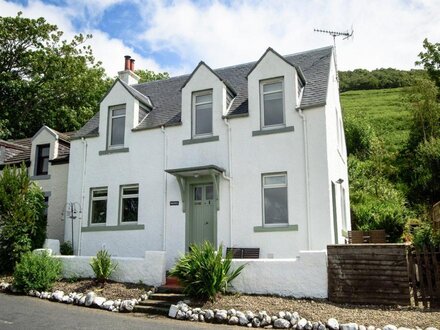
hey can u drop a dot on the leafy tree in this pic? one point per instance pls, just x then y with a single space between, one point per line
147 75
22 220
430 59
45 79
359 136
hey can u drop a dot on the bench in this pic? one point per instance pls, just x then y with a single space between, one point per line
244 253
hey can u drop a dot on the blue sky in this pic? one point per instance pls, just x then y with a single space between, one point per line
174 36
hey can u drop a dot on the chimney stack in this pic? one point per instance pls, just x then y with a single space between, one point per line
128 76
127 62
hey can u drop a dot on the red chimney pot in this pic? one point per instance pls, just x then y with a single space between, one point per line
132 65
127 62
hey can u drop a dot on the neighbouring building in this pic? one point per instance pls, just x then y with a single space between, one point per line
46 156
251 155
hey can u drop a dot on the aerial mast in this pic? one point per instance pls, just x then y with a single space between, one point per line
335 34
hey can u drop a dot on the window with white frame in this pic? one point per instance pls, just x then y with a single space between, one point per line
202 113
272 102
116 126
129 204
98 206
274 191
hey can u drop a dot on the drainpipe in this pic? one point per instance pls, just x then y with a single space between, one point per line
165 190
307 179
83 195
229 178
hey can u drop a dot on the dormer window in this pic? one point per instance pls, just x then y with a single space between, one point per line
202 113
116 126
42 161
272 102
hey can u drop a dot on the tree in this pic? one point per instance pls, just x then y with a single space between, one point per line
430 59
44 79
22 220
147 75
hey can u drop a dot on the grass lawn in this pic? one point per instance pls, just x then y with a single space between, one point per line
385 109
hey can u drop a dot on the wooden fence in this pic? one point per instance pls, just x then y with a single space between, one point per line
368 274
424 271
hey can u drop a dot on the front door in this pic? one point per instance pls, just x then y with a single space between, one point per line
202 215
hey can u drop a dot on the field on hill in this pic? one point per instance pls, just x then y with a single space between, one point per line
385 110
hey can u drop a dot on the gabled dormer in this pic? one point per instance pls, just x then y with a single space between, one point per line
44 147
121 110
274 91
206 98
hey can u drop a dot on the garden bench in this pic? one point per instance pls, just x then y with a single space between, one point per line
244 253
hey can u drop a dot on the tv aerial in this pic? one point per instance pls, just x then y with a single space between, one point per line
346 35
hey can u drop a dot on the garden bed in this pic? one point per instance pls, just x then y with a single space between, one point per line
315 310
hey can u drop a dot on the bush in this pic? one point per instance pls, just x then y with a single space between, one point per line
102 266
66 248
36 272
22 221
425 235
359 136
203 271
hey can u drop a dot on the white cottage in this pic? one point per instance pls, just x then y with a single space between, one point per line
251 156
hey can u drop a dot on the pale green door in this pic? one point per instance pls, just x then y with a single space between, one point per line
202 215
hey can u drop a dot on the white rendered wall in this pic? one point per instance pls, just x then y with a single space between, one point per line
55 186
305 276
150 269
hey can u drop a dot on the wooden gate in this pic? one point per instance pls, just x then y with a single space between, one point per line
424 271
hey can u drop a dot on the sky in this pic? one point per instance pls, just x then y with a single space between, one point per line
173 36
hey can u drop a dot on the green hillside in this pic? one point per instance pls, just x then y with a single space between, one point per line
386 111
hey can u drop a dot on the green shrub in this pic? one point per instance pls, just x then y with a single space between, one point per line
359 136
22 221
203 272
66 248
36 272
425 235
102 266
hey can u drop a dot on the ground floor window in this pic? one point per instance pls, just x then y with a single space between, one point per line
274 191
129 203
98 205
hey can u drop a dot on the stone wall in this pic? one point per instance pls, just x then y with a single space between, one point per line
305 276
150 269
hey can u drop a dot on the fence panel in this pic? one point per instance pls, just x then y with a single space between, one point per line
368 274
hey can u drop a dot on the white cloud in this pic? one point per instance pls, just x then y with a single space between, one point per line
387 33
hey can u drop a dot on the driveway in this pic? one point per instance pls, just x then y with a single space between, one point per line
22 312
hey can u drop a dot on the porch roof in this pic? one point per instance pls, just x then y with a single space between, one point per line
196 171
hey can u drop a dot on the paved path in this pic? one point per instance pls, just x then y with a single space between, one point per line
22 312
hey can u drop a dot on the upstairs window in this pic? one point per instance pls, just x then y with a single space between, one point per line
272 102
98 206
129 204
275 199
116 126
42 161
202 113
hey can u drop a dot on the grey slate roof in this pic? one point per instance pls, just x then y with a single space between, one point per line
165 95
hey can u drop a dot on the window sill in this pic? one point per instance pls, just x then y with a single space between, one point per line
200 140
112 151
273 130
112 228
41 177
261 229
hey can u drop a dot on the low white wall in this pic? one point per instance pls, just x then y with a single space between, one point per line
305 276
150 269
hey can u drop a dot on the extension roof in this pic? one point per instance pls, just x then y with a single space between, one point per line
313 66
18 151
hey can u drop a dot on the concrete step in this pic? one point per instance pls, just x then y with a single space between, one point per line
156 303
170 297
170 289
155 310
